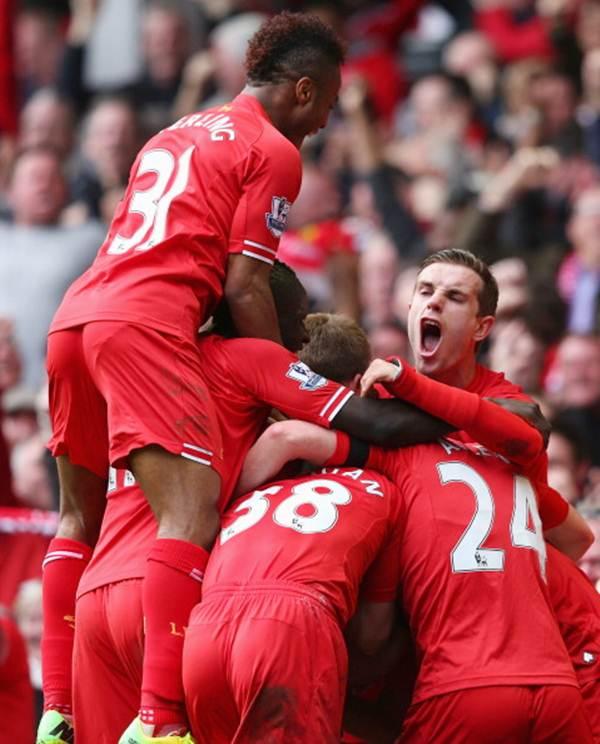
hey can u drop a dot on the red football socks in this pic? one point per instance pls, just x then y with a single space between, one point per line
63 565
173 585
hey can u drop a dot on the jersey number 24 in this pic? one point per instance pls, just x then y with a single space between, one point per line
468 553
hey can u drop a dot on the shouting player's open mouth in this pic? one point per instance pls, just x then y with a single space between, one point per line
431 336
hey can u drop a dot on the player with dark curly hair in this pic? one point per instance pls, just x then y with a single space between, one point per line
293 69
205 206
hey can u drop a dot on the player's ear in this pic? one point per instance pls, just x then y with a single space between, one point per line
305 90
484 326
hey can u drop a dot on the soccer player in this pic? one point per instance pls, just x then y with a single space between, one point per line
205 207
264 655
577 607
246 378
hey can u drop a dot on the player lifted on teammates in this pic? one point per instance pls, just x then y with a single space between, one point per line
204 210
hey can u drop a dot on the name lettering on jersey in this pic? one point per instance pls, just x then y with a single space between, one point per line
220 126
303 374
119 479
277 218
371 486
451 446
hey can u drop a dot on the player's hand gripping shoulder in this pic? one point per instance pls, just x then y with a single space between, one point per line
528 411
380 371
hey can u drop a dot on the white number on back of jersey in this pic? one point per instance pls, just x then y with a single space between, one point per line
325 513
321 495
153 203
526 509
468 553
257 506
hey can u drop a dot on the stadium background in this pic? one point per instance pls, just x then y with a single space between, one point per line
469 124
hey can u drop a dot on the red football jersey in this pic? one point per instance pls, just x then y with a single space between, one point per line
247 377
577 607
473 562
214 182
488 384
323 531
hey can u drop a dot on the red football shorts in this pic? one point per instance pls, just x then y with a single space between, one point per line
107 661
552 714
264 664
590 691
115 387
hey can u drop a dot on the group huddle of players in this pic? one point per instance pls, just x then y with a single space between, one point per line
220 595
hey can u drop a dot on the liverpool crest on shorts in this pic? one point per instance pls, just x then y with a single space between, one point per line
277 217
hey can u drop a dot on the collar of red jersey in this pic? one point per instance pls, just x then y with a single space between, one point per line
244 100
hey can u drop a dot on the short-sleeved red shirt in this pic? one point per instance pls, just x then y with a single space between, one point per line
472 563
247 378
324 531
216 182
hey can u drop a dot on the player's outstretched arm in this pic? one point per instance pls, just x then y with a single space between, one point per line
500 430
572 537
389 423
282 442
250 299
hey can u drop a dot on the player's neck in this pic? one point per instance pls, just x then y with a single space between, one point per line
460 376
275 100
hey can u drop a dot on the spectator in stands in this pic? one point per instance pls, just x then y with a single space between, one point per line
47 121
220 67
20 415
515 351
39 257
109 145
10 371
577 388
389 339
165 48
588 113
568 459
579 274
471 55
319 248
38 47
28 615
30 476
590 563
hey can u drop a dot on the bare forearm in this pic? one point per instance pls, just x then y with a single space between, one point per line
280 443
389 423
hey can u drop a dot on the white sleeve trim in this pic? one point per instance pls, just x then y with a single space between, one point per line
250 254
340 405
334 398
261 246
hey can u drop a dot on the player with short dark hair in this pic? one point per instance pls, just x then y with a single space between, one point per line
201 218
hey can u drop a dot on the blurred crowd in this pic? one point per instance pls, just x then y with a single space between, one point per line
466 124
